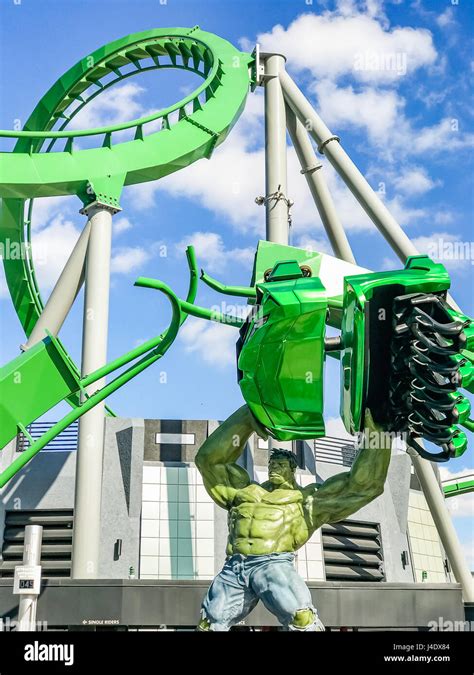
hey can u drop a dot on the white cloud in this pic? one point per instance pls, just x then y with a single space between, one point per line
461 506
227 184
212 253
447 474
404 214
312 244
446 18
389 264
45 208
51 247
449 249
335 44
121 224
380 113
128 259
119 105
53 243
214 343
443 217
376 111
441 137
414 181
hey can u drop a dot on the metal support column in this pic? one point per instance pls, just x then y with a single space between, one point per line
312 170
64 292
31 558
275 152
328 144
444 524
87 509
276 176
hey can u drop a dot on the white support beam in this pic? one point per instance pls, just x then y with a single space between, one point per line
275 152
276 173
88 494
312 170
329 145
444 524
64 292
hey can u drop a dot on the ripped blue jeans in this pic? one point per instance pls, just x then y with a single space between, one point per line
244 580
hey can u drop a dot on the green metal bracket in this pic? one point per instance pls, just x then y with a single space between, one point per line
104 191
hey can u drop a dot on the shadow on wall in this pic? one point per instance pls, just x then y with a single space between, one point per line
34 483
37 486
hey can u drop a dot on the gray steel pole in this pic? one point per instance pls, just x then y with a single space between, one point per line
312 170
276 175
31 556
275 152
444 524
329 145
64 292
87 509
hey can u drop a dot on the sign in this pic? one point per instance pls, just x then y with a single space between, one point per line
27 580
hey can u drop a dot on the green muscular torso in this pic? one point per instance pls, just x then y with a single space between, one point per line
263 520
279 515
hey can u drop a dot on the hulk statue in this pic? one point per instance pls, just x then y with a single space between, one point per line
268 523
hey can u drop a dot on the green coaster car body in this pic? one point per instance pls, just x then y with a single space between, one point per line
281 355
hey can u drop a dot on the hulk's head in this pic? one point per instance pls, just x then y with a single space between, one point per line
281 467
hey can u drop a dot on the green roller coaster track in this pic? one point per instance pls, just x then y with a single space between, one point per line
459 486
38 166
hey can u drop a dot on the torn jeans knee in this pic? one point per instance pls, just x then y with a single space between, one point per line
306 620
208 626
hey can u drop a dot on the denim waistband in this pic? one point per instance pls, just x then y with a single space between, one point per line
261 557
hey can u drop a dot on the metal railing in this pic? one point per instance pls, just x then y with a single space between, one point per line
458 485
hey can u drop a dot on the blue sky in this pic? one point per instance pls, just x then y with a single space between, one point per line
408 127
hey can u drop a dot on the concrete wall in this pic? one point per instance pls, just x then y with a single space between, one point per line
173 452
47 482
154 502
121 497
390 511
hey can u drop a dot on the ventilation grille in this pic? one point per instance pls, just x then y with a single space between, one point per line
56 549
66 441
335 450
352 551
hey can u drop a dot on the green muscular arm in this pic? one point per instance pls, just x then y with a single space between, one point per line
342 495
217 456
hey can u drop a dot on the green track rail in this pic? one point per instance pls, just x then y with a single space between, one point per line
46 161
461 486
